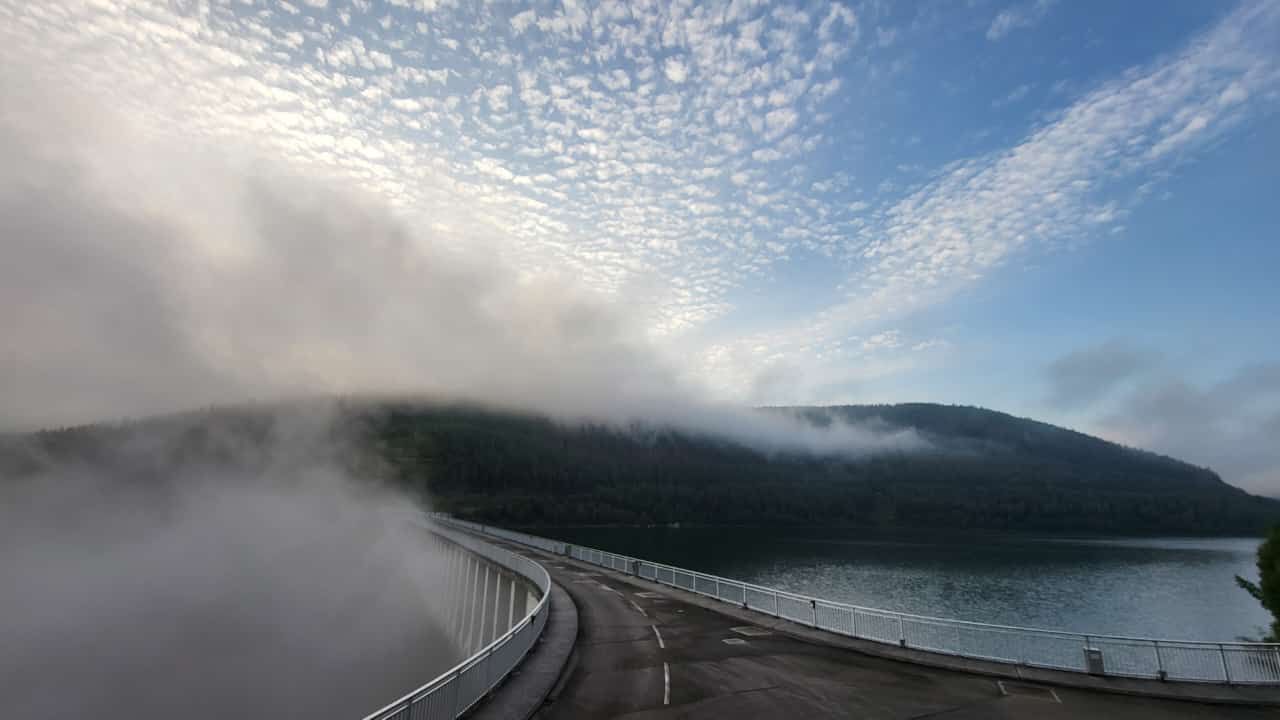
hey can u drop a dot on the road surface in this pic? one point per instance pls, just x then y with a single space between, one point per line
643 652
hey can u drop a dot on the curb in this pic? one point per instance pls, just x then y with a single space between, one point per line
538 678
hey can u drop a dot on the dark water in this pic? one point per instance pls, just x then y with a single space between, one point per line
1153 587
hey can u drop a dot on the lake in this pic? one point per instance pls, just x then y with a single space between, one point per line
1177 588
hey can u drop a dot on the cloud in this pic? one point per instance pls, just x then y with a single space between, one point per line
1080 378
599 168
523 20
839 19
140 275
1229 425
675 70
497 97
1051 190
1018 17
1131 395
394 109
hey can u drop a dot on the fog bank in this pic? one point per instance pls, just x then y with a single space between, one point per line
250 578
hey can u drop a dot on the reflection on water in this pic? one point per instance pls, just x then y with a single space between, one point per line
1158 587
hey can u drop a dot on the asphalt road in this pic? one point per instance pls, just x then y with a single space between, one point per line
642 652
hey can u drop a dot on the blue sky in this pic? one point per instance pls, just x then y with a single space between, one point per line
1058 209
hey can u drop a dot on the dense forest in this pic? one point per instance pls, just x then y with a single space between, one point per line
983 469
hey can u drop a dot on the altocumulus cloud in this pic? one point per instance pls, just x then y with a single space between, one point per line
141 274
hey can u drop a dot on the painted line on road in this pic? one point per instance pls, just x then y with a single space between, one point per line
638 608
666 682
661 645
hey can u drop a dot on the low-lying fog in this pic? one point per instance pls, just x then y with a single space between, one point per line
278 587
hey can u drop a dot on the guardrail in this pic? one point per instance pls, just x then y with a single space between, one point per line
1232 663
456 690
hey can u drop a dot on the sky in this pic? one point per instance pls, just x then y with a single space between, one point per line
1062 210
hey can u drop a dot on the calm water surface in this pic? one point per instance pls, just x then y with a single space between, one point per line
1157 587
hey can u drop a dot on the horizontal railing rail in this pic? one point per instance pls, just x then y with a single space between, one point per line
1234 663
455 691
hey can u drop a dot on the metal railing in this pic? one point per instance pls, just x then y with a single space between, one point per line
456 690
1233 663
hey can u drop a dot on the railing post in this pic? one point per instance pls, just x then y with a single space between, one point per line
484 607
1159 661
511 606
813 609
1094 661
456 682
902 632
717 588
497 595
777 610
1226 670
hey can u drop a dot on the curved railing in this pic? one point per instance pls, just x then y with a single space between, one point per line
1109 655
455 691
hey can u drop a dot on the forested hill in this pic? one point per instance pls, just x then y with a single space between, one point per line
984 470
960 430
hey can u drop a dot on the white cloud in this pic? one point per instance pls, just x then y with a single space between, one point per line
497 97
616 80
886 340
1045 190
521 21
675 70
839 19
677 168
778 122
1017 17
766 155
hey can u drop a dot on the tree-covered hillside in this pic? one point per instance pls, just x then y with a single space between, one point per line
987 470
983 470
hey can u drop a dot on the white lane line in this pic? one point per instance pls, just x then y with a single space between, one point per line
638 608
661 645
666 683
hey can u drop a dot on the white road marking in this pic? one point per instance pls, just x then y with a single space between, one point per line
638 608
661 645
666 682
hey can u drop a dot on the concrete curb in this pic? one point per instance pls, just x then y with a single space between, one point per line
539 675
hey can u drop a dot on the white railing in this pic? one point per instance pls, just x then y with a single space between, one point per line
455 691
1232 663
